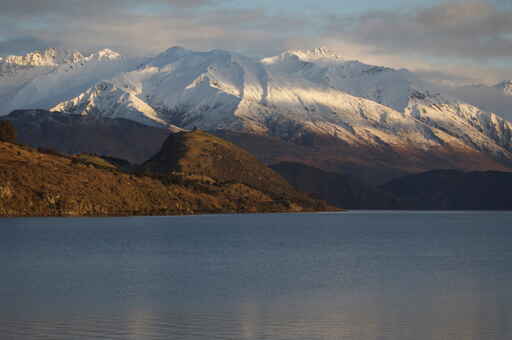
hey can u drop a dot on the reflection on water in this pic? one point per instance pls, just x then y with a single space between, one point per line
355 276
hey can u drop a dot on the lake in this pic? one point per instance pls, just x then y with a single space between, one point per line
351 276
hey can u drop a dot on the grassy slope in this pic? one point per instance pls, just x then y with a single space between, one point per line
201 153
39 184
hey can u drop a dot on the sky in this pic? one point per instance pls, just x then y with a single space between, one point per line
446 41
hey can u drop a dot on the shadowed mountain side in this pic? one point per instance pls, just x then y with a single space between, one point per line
273 150
40 184
72 134
373 165
453 190
336 189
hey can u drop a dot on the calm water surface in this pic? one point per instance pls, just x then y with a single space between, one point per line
360 275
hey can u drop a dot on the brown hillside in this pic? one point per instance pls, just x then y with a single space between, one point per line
201 153
40 184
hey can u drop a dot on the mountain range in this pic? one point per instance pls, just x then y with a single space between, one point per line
341 115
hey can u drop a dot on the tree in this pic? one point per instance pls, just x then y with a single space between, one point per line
7 131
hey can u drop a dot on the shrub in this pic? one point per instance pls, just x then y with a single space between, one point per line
7 132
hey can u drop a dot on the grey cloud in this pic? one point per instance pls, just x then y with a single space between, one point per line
42 7
135 27
478 30
252 31
23 45
437 77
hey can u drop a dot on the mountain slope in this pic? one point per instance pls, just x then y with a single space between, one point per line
322 66
356 114
73 134
105 100
476 129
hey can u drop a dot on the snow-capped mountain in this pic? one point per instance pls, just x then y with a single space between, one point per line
52 57
49 57
218 89
108 101
293 96
380 84
43 79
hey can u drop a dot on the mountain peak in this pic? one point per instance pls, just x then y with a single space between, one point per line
175 51
106 54
46 57
170 55
315 53
54 57
321 55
